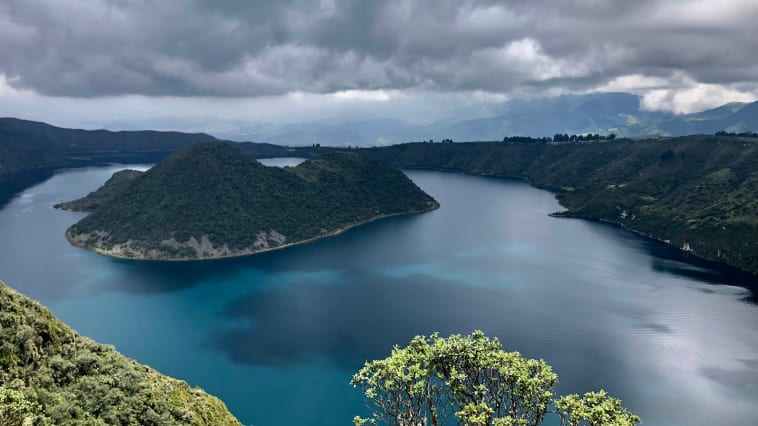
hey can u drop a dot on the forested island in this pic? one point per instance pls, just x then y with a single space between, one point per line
698 193
51 375
211 200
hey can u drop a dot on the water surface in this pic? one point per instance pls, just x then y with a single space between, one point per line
278 335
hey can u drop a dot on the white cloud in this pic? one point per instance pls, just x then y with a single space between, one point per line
365 95
633 83
6 87
693 97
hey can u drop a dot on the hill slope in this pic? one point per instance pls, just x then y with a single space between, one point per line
698 193
211 200
72 380
26 145
29 144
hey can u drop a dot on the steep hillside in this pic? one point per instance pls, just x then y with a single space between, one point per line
210 200
67 379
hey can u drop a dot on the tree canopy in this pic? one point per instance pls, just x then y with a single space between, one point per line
471 380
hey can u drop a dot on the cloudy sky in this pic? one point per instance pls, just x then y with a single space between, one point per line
126 63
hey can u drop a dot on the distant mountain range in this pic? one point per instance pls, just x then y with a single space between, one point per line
604 113
28 144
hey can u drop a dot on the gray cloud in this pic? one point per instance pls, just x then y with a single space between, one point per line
241 48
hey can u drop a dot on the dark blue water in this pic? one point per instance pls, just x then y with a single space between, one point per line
277 336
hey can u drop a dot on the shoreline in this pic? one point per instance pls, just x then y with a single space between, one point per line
568 214
334 233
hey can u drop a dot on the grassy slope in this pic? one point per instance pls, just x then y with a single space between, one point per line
73 380
212 189
699 192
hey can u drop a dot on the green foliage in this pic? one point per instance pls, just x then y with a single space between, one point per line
53 376
697 192
594 409
215 191
15 410
435 380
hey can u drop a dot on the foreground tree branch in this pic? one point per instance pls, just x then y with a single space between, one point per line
470 380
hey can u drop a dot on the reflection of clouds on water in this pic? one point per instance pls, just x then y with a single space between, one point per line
685 341
27 197
363 314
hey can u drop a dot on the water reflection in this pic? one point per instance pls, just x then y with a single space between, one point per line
669 334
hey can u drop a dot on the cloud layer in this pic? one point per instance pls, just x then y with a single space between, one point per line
96 48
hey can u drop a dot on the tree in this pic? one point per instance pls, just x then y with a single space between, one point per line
594 409
471 380
15 410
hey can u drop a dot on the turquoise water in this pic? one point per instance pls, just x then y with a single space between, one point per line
277 336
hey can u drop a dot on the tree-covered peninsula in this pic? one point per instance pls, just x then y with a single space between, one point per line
698 193
211 200
50 375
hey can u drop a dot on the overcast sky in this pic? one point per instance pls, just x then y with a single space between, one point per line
120 63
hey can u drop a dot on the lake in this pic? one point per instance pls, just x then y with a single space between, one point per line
277 336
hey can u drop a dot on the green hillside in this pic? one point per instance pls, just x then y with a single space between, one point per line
56 377
211 200
698 193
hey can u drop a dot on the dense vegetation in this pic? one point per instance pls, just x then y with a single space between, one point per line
49 375
699 193
112 187
471 380
737 134
211 200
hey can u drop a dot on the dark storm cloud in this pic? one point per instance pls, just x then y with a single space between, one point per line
242 48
